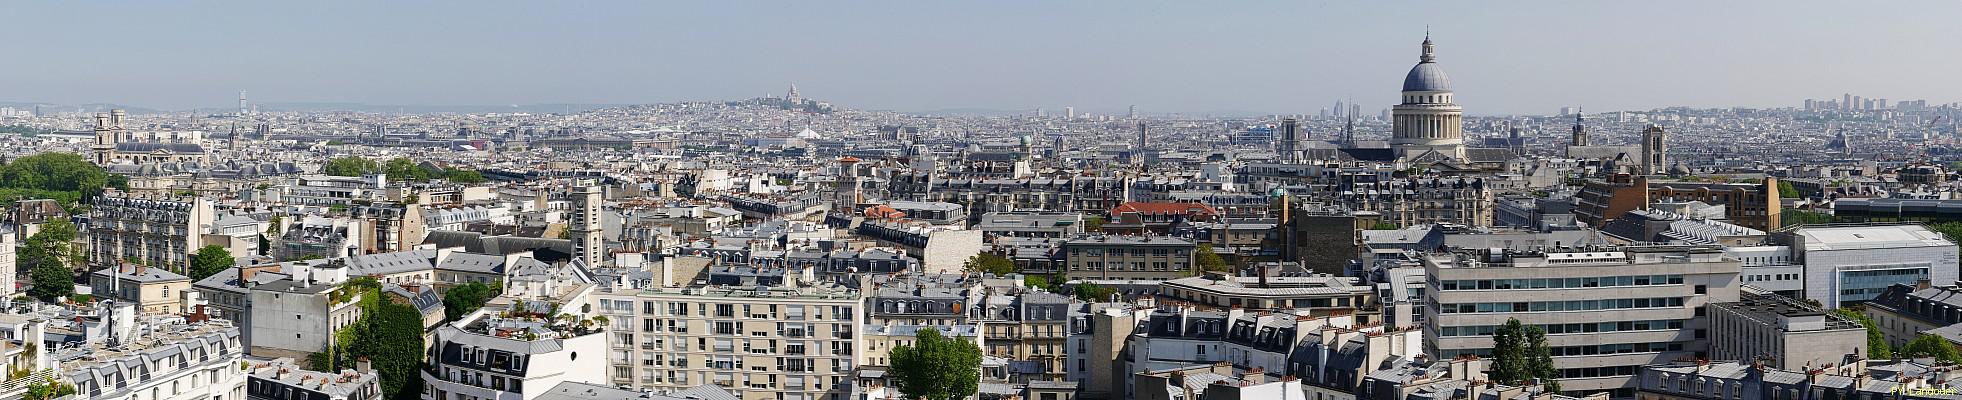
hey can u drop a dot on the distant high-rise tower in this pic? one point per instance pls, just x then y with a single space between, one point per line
1654 155
1069 112
1133 113
242 108
1580 131
1290 140
585 230
1427 121
793 97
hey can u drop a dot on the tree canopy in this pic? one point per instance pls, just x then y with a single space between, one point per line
1093 224
62 176
1520 354
989 263
936 367
388 335
1210 261
210 260
461 300
1877 347
1932 346
47 256
351 166
1092 292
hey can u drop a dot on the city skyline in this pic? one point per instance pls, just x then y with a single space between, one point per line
1163 58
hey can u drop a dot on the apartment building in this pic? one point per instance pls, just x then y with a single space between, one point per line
169 358
152 290
1318 294
772 334
1414 201
489 355
159 232
1128 257
1904 312
1752 205
282 378
1607 312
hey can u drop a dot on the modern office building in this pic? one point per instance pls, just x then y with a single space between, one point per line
1846 265
1607 312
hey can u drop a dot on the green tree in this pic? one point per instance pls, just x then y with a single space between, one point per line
47 256
1801 217
1210 261
48 390
210 260
1932 346
406 170
350 166
1539 359
1509 353
1093 224
388 335
1520 354
1877 347
464 176
463 299
1092 292
989 263
1786 191
59 172
936 367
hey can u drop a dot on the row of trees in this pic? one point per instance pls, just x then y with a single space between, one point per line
398 169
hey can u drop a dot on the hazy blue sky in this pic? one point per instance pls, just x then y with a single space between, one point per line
1285 56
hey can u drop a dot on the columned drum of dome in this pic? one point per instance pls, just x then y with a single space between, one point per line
1427 120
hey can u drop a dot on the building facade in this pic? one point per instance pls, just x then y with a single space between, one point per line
155 232
1606 312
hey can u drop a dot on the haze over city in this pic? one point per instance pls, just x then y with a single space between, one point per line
1165 57
1016 200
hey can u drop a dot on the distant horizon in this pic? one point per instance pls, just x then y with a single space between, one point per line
1516 58
326 106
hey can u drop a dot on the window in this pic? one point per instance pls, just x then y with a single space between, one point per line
1202 349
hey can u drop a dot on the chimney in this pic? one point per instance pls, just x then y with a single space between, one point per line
362 365
1255 376
1923 283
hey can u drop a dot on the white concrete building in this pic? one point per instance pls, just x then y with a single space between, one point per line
1606 312
1847 265
487 356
